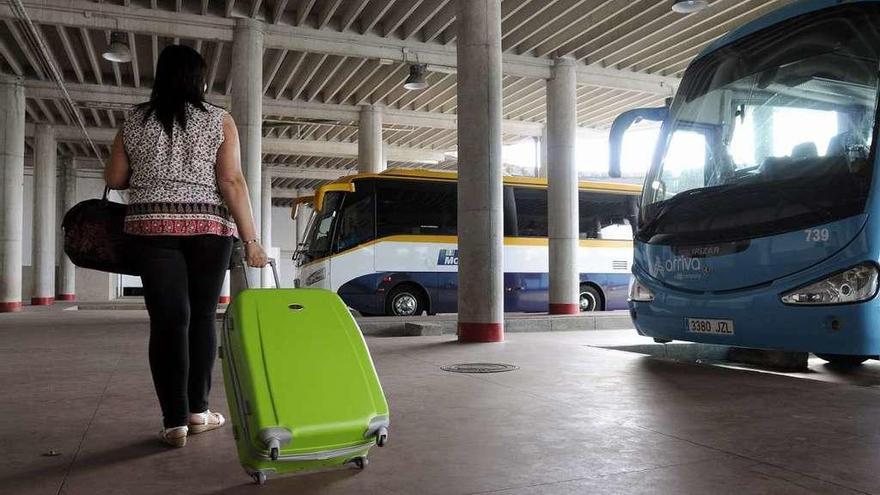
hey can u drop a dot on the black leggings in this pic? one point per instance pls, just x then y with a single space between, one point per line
182 278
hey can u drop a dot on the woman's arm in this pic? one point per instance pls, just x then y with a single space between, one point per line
117 171
234 190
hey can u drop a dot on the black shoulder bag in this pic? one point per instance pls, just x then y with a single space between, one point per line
94 237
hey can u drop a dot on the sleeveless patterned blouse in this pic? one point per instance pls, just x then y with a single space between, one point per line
173 186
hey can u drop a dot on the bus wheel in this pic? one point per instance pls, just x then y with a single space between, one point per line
844 359
590 299
405 300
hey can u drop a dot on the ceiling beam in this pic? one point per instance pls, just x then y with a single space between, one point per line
312 173
293 193
107 16
275 146
347 150
109 96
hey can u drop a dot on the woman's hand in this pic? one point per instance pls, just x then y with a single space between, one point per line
255 255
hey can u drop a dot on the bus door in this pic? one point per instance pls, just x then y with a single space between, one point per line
353 260
315 270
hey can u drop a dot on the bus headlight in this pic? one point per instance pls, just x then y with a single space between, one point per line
857 284
638 292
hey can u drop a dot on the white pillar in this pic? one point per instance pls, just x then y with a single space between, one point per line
266 223
43 261
67 270
224 292
371 153
247 110
11 191
541 144
562 190
480 212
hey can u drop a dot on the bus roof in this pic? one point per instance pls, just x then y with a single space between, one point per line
782 14
347 183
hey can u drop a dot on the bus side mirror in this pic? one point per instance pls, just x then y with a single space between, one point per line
621 124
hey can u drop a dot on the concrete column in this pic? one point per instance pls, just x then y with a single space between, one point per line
43 264
541 151
67 270
562 190
480 212
266 223
224 292
371 153
11 191
247 110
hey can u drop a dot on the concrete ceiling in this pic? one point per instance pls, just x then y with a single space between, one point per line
324 58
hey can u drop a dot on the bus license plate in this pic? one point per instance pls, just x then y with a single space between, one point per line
702 325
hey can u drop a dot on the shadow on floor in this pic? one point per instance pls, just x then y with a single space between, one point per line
121 454
310 482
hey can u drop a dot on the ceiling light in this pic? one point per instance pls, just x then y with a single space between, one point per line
416 80
118 51
689 6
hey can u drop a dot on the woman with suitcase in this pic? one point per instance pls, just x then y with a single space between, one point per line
179 157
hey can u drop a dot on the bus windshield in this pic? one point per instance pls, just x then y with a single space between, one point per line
769 134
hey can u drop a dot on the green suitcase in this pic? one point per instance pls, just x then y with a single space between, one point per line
302 390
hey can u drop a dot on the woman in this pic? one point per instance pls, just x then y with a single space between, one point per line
179 158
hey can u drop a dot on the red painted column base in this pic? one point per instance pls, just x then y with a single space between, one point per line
225 299
10 307
480 332
564 309
66 297
42 301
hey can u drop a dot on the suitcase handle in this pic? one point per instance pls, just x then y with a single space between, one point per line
243 265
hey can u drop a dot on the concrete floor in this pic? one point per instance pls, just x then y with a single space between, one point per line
574 419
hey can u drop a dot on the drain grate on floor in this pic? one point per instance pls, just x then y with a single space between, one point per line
479 368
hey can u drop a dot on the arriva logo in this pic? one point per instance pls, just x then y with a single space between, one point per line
677 266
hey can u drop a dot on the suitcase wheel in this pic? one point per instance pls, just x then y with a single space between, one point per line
259 477
382 437
360 462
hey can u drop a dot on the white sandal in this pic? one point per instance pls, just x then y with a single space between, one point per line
206 421
175 437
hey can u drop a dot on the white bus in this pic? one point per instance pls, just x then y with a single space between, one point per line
386 243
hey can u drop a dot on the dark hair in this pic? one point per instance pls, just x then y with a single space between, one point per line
180 79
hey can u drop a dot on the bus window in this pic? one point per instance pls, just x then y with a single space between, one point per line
416 208
688 153
322 227
531 212
763 131
605 216
356 219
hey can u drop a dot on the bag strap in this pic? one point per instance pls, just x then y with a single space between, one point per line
106 193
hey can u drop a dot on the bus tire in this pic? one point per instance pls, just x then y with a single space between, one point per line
844 359
405 300
591 299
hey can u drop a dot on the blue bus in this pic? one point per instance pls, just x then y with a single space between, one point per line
758 221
